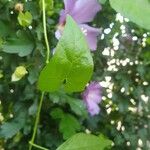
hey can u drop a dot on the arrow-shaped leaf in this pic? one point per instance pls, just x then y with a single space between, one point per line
72 64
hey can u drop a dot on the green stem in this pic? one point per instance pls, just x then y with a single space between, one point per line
45 32
42 95
37 146
36 121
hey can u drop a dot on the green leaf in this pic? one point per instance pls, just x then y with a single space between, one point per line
77 106
25 19
83 141
21 44
9 129
33 76
137 11
68 126
5 29
106 142
102 1
71 65
57 113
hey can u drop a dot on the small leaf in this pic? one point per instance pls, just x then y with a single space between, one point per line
21 44
137 11
25 19
68 123
83 141
33 76
57 113
77 106
9 129
71 65
68 126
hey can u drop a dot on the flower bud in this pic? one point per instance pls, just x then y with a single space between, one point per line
19 7
19 73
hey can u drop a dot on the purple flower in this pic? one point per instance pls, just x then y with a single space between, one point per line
92 98
82 11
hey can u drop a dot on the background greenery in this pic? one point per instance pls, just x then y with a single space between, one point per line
122 63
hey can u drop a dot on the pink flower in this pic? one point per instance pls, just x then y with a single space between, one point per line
92 98
82 11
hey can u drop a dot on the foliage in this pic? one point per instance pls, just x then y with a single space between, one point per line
71 58
121 63
136 10
19 43
68 124
25 19
82 141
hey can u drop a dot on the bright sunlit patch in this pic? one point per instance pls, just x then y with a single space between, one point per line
119 125
107 31
119 18
140 143
144 98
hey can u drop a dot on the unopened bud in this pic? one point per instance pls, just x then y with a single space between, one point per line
19 7
19 73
